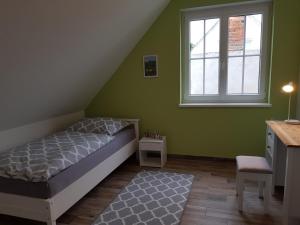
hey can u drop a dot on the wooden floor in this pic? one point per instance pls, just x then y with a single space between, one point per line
212 200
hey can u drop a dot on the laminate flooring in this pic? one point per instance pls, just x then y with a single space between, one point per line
212 200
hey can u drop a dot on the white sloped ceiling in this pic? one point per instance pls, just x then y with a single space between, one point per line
55 55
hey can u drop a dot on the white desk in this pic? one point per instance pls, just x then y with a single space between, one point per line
283 154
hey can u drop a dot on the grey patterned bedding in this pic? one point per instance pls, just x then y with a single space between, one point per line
41 159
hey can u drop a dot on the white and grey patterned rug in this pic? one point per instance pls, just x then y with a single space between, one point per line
151 198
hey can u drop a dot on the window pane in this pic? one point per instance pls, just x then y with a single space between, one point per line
253 34
196 79
212 37
236 34
251 75
230 70
235 75
211 76
196 38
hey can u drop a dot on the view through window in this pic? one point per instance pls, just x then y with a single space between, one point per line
226 59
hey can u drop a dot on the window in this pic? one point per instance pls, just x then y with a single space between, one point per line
225 54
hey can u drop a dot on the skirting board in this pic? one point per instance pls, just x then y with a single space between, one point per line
20 135
209 158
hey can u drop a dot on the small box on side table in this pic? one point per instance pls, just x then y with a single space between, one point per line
153 152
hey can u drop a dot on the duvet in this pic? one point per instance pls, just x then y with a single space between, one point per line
39 160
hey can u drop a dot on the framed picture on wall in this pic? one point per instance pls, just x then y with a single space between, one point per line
150 66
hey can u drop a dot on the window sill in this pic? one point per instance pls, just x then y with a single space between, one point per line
226 105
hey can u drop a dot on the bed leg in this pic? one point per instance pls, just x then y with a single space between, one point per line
51 222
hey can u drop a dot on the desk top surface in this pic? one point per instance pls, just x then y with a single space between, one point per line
289 134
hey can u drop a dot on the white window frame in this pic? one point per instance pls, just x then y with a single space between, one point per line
224 12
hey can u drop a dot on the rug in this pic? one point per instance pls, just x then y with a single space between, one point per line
151 198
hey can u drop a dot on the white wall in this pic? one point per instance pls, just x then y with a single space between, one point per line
55 55
20 135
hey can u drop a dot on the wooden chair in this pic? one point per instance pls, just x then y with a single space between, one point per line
257 169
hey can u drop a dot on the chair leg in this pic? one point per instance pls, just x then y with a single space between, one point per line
267 193
261 189
240 189
272 190
237 183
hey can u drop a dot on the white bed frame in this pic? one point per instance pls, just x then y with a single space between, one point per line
48 210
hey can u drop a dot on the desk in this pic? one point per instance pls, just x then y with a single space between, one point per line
283 154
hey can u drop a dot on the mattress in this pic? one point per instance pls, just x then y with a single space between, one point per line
43 158
55 184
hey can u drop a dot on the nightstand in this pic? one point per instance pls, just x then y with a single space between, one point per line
153 152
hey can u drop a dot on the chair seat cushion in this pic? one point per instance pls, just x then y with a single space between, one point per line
253 164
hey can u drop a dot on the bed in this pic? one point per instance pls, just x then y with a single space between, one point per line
47 199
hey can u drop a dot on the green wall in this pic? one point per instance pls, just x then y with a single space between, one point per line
221 132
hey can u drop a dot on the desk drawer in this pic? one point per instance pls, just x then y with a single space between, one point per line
270 134
151 146
270 141
269 159
270 150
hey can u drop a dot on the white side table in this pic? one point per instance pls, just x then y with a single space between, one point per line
153 152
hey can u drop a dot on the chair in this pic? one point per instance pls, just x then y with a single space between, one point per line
257 169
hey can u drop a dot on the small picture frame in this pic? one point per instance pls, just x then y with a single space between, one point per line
150 66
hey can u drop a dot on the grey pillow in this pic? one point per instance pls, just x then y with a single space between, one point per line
113 126
89 125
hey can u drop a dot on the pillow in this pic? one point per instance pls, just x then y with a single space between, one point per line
113 126
89 125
